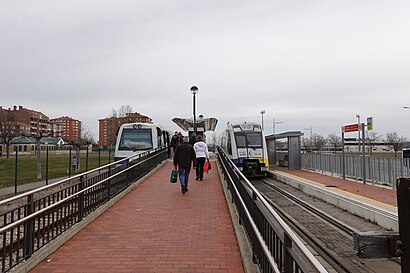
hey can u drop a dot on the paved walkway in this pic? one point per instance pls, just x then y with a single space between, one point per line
155 228
375 192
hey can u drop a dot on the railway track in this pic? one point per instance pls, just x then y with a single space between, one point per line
328 232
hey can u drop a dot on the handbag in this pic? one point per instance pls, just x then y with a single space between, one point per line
174 176
207 167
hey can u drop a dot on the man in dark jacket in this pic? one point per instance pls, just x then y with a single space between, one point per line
174 141
184 155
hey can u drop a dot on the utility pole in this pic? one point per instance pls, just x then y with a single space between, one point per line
274 124
358 123
262 113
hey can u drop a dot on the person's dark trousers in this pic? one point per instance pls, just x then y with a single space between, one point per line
183 176
200 161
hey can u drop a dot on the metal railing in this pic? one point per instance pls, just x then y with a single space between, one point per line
31 220
275 246
379 170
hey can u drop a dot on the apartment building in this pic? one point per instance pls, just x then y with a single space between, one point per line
30 122
70 129
108 127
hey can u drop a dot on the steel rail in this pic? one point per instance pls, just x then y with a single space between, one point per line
342 226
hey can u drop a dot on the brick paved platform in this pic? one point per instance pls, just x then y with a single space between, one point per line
155 228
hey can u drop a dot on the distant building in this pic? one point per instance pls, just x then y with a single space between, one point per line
108 127
70 129
31 123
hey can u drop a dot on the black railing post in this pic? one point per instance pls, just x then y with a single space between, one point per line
29 228
69 164
109 189
287 244
254 254
403 206
46 165
81 199
86 161
16 173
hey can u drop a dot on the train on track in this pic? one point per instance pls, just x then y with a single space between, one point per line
136 138
246 146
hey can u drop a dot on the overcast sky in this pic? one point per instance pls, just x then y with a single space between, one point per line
308 63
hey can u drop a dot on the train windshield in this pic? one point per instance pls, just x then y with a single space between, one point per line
135 139
248 140
406 153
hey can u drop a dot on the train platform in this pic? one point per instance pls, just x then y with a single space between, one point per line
156 228
373 202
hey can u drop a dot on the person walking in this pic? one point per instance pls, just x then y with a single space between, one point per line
192 140
184 155
201 152
174 141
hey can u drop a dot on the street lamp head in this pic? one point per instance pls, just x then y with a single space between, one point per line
406 107
357 116
262 112
194 89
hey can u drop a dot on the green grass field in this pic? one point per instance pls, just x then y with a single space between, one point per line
58 166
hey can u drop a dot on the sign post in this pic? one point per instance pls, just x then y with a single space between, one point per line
343 153
364 155
355 128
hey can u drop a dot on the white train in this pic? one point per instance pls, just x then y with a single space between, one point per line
246 146
136 138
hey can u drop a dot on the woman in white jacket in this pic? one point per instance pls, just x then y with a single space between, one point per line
201 151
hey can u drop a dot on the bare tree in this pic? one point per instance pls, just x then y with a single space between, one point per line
306 143
84 140
113 114
395 141
371 139
318 142
9 128
124 110
335 141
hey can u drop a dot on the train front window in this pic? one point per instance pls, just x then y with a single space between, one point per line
135 139
406 153
248 140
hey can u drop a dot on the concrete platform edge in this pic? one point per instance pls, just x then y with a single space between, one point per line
49 249
370 212
243 243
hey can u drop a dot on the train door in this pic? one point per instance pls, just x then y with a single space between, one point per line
406 157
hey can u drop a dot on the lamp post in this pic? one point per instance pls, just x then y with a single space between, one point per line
194 90
262 112
358 124
274 124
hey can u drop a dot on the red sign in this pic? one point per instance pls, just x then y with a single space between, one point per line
351 128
